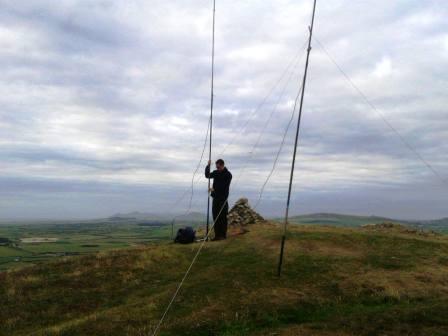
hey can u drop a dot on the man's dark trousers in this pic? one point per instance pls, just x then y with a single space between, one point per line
220 217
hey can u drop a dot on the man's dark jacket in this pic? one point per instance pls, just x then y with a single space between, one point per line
221 182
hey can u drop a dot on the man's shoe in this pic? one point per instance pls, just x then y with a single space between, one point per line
218 238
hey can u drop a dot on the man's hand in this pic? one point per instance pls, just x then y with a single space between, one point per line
211 190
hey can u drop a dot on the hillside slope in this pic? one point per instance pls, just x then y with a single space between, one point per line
337 219
342 220
336 281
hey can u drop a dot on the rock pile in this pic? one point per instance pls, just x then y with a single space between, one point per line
242 214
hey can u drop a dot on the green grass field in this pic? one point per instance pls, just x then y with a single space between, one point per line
72 239
336 281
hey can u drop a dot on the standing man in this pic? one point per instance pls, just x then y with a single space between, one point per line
219 192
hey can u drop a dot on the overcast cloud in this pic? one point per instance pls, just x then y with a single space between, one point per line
104 105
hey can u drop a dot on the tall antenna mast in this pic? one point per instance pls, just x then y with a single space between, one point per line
211 118
285 225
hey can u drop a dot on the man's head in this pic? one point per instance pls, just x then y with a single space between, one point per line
220 164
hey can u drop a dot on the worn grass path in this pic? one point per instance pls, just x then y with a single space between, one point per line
336 282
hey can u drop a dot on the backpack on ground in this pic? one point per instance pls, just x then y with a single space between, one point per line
185 235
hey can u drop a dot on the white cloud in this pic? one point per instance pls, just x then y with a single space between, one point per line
118 92
383 68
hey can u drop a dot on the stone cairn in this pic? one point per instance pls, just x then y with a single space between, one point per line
242 214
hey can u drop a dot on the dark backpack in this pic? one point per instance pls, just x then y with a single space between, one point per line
185 235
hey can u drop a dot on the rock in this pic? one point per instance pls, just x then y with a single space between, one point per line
242 215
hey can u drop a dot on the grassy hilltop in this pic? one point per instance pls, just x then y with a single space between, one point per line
336 281
31 243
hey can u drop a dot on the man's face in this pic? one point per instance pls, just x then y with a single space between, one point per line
219 167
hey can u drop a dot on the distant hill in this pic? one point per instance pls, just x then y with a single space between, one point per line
341 220
335 282
165 218
436 225
338 219
135 215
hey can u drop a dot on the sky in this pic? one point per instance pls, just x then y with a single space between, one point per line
104 106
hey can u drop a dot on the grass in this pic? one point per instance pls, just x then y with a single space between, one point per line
341 220
335 281
72 238
79 238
